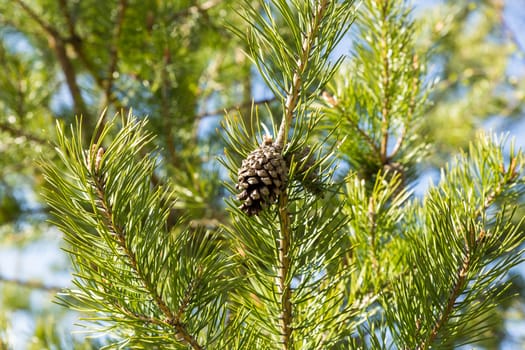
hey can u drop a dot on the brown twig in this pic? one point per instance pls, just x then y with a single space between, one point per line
188 295
220 111
372 216
44 25
451 301
69 19
58 44
385 76
200 8
77 43
21 133
361 132
113 50
113 60
165 106
283 287
31 284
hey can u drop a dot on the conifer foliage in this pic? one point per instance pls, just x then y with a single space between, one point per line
165 286
309 258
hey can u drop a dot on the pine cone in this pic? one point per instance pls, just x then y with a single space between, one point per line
262 177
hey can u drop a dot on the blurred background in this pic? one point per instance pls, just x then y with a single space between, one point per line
175 62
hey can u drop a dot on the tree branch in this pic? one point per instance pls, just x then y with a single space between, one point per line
470 244
283 285
21 133
181 331
385 73
302 62
77 44
361 132
204 7
246 104
31 284
113 50
188 295
165 96
457 290
58 44
284 288
372 215
69 19
50 30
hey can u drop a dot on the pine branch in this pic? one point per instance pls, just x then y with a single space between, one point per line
301 65
294 67
113 50
229 109
385 76
31 284
333 103
15 132
69 19
169 286
120 235
472 243
284 280
165 106
58 45
380 94
188 295
77 44
459 285
373 237
284 288
33 15
366 137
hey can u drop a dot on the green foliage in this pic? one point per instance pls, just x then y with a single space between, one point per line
472 49
166 283
304 54
380 94
462 243
347 257
320 269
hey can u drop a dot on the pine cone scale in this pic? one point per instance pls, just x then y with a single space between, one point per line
252 181
262 173
267 181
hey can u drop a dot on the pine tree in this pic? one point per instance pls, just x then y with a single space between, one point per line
310 256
